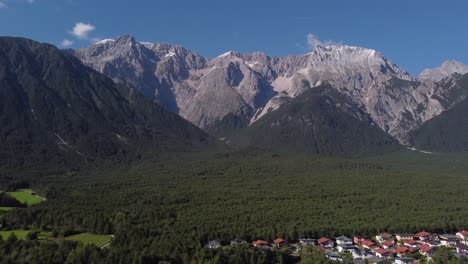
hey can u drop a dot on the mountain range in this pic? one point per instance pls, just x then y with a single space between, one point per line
234 91
124 99
54 110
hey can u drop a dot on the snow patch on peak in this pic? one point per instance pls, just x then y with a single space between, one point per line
225 54
147 44
104 41
252 64
170 54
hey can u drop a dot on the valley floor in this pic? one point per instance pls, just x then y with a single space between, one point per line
168 210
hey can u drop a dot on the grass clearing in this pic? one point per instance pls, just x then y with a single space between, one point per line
87 239
25 196
20 234
5 209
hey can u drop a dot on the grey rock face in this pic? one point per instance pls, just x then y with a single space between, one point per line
245 87
447 69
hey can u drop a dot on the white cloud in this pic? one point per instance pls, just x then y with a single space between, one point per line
81 30
67 43
313 41
3 5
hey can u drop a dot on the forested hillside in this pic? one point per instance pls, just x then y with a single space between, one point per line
167 210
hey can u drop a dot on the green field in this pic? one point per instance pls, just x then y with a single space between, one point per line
87 239
20 234
5 209
25 196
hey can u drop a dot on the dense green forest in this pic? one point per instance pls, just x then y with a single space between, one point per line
167 210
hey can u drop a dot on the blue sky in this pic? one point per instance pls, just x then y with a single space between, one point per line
413 34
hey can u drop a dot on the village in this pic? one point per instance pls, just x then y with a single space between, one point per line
399 248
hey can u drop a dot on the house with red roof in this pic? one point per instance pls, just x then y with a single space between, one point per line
383 253
388 245
423 236
401 251
259 243
369 244
325 243
279 243
463 235
432 243
411 243
426 250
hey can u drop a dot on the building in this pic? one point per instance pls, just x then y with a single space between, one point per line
369 244
383 253
448 240
426 250
423 236
260 243
432 243
463 236
344 240
358 240
388 245
279 243
238 242
384 237
406 261
401 251
462 249
361 254
404 236
376 260
411 243
333 256
325 243
213 244
343 248
307 242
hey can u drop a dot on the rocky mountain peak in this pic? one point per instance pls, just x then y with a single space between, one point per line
445 70
236 89
125 39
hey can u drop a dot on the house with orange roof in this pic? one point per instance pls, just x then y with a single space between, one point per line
325 243
388 245
279 243
401 251
358 240
260 243
423 236
426 250
369 244
463 235
411 243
